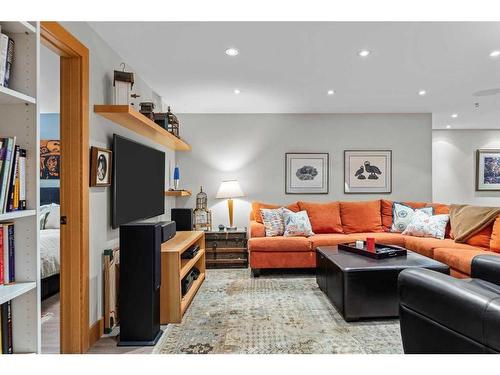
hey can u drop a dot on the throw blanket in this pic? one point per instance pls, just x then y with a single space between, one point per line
467 220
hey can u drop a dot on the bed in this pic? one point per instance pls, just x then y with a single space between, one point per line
49 248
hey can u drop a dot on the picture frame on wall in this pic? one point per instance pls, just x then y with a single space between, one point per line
367 171
306 173
50 159
488 170
100 166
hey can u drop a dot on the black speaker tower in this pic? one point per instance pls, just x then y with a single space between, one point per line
140 278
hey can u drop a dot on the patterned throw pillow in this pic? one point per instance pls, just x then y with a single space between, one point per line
423 225
273 221
296 223
402 215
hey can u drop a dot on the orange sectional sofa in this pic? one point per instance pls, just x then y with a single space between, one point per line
337 222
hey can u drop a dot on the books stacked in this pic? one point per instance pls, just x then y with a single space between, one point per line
6 328
12 176
7 254
6 58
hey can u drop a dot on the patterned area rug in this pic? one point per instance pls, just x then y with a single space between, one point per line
235 313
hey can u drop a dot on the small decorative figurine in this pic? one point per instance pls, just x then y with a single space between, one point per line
221 227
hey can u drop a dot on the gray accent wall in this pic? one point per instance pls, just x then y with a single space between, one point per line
454 166
252 147
103 60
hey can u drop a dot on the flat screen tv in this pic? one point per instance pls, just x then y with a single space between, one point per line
138 181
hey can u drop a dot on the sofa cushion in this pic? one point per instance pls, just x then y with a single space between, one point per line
256 206
383 238
481 238
283 244
359 217
495 236
257 229
324 217
426 246
329 239
458 259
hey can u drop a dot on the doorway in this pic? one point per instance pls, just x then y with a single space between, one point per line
73 59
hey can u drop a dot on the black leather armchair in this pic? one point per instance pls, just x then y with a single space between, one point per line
441 314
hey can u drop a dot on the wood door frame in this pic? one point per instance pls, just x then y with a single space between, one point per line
74 197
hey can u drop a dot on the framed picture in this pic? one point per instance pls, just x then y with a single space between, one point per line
367 171
306 173
100 166
488 170
50 158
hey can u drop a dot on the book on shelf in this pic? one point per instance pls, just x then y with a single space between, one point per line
6 327
12 176
6 59
8 251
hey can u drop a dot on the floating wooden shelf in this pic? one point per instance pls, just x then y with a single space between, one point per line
131 119
178 193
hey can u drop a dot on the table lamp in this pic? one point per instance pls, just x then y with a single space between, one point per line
229 189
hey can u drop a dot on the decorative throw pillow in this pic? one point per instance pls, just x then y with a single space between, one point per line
402 215
296 223
423 225
273 221
53 220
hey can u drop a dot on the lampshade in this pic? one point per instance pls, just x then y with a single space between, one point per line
229 189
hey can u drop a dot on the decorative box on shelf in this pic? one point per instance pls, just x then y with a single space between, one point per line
226 249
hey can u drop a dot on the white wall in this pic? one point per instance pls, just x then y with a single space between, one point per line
252 147
454 166
103 60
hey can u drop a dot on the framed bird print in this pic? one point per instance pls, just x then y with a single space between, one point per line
306 173
367 171
488 170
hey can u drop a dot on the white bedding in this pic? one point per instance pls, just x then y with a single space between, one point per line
49 252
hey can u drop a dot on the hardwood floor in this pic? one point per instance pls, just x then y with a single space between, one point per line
51 325
107 345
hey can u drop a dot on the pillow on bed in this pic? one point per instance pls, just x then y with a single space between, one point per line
53 220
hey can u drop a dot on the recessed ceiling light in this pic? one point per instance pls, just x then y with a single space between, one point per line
448 126
422 92
495 53
364 53
454 115
232 52
236 91
330 92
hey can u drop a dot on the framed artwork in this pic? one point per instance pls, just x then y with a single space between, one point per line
50 158
367 171
100 166
306 173
488 170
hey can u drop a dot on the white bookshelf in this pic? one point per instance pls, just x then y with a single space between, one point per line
19 117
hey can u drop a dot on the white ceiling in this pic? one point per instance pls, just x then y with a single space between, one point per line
287 67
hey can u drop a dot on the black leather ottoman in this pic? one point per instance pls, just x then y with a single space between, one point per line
361 287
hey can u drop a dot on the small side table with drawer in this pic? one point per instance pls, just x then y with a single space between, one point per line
226 249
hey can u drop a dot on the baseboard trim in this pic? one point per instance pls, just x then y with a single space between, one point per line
96 331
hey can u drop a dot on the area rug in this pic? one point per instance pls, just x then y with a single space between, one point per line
235 313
